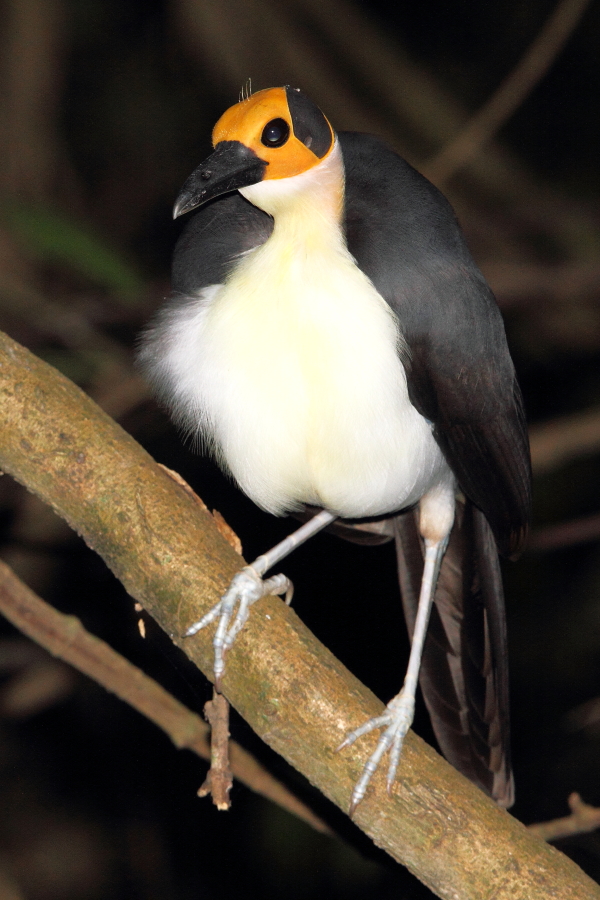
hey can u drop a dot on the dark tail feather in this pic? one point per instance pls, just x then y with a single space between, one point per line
464 673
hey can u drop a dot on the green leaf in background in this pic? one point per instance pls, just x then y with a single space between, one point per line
50 236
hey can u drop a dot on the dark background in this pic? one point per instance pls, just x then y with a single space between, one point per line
105 108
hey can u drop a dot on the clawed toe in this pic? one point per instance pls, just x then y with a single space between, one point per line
246 588
396 720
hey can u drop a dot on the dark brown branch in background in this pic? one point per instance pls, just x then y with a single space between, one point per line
36 683
66 638
117 388
170 556
522 284
554 444
584 717
583 818
511 93
566 534
58 322
9 889
557 442
30 74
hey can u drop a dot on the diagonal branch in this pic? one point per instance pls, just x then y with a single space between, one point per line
170 556
511 93
66 638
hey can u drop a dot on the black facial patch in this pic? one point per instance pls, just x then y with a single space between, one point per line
310 125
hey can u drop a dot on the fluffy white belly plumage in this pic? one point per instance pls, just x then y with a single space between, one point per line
291 372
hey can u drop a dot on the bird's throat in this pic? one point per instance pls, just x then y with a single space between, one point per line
310 202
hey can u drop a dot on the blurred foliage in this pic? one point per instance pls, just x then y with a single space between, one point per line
105 108
50 237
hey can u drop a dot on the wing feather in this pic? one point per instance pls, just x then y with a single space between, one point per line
404 235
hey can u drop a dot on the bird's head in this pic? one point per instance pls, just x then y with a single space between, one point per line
274 134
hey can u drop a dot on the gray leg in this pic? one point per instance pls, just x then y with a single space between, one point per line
436 519
248 586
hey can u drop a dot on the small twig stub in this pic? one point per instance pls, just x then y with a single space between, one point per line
583 819
219 779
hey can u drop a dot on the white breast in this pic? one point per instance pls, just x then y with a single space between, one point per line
295 378
291 370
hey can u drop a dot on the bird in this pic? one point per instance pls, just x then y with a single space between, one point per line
331 341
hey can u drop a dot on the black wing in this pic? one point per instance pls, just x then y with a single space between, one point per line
212 240
404 235
210 244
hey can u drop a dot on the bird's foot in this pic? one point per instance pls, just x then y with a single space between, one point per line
246 588
396 720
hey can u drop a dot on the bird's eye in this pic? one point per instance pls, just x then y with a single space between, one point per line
275 133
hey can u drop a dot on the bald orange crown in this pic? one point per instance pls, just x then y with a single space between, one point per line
265 124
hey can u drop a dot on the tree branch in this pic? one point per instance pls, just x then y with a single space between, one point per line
170 556
566 534
583 818
66 638
511 93
558 441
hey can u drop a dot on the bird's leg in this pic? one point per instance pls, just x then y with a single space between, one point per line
248 586
436 516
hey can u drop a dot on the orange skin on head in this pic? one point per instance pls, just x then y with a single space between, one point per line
245 123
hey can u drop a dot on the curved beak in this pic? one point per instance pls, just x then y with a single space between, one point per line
231 166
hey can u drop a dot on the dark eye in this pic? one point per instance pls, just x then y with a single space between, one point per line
275 133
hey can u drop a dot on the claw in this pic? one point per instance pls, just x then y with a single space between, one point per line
206 620
246 588
352 808
396 720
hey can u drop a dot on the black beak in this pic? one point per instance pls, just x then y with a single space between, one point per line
231 166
